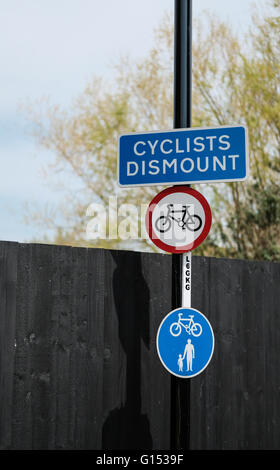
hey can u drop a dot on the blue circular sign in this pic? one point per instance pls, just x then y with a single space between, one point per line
185 342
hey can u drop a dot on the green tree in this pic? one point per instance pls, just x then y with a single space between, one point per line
234 82
249 212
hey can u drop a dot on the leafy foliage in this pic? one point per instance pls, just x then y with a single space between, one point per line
234 82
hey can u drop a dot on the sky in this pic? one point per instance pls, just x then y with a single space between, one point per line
50 49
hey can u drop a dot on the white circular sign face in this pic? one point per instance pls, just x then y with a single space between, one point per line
178 219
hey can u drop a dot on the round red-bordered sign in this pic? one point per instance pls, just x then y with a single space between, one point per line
164 216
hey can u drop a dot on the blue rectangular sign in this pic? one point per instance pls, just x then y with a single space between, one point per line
179 156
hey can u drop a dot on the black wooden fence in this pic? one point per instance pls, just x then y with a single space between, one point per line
78 362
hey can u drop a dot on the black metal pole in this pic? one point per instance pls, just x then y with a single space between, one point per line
182 64
180 388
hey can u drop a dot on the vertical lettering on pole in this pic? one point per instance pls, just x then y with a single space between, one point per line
186 279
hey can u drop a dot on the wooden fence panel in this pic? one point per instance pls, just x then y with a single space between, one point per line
78 361
79 367
235 403
8 280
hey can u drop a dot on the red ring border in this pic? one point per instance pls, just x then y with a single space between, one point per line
208 219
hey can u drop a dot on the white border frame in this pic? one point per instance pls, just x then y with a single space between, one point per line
170 371
186 182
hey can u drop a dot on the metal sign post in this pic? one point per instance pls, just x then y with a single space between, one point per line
180 388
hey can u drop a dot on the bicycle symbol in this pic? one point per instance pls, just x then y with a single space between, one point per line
186 221
191 327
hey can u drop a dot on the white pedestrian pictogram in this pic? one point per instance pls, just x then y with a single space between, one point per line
189 352
180 363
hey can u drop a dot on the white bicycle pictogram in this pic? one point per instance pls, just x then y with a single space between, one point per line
190 326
